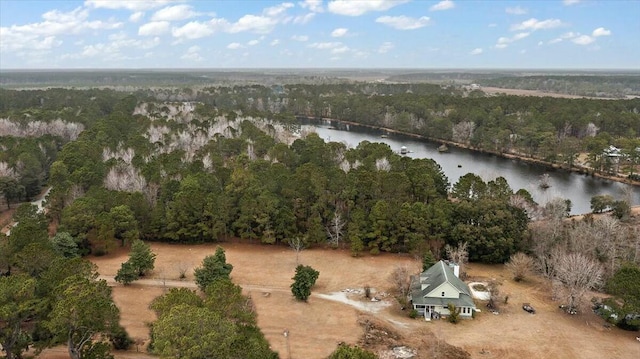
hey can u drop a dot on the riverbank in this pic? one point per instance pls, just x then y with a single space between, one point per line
578 169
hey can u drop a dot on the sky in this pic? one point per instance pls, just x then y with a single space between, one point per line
171 34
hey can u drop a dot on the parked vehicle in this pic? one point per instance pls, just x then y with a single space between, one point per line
528 308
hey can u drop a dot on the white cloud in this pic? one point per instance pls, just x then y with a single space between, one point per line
42 35
476 51
301 38
61 23
357 8
174 13
253 42
257 24
565 36
520 36
234 46
133 5
154 28
312 5
340 50
303 19
325 45
570 2
275 11
192 30
443 5
505 41
601 31
275 42
583 40
113 50
516 10
540 43
136 16
493 25
385 47
192 54
535 24
403 22
339 32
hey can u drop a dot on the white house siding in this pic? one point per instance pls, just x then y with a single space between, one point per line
449 291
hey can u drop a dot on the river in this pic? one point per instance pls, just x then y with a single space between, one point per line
457 162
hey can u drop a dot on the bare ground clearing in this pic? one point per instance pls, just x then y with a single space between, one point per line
536 93
317 326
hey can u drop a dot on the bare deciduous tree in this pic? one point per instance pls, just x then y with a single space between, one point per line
334 229
400 279
520 266
463 131
459 255
578 274
545 237
297 244
493 287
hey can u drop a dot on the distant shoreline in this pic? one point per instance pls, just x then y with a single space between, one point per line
575 168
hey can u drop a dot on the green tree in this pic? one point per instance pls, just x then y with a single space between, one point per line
346 351
625 284
599 203
176 296
125 225
19 305
65 245
31 227
303 280
225 297
127 273
428 260
141 257
84 308
190 332
213 267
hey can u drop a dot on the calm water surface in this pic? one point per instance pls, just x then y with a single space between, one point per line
458 162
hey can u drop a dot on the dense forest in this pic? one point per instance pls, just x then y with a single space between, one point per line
204 165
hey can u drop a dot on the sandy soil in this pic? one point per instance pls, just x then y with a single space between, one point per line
265 273
332 315
518 92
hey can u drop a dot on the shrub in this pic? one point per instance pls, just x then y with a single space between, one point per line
454 313
120 339
413 314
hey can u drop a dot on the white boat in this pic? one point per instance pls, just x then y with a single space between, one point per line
403 150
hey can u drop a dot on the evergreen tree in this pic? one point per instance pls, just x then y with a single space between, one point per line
213 267
304 279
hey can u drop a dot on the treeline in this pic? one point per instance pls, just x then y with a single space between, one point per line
582 85
226 164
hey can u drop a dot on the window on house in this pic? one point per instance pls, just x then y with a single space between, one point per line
443 294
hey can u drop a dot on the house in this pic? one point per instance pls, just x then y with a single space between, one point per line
435 288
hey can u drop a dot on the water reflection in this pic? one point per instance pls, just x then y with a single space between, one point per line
457 162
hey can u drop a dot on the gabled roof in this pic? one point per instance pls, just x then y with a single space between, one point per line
432 278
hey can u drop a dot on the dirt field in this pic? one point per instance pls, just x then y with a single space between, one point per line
317 326
518 92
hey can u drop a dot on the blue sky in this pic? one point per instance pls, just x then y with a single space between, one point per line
567 34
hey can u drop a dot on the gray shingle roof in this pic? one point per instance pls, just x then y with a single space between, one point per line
432 278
